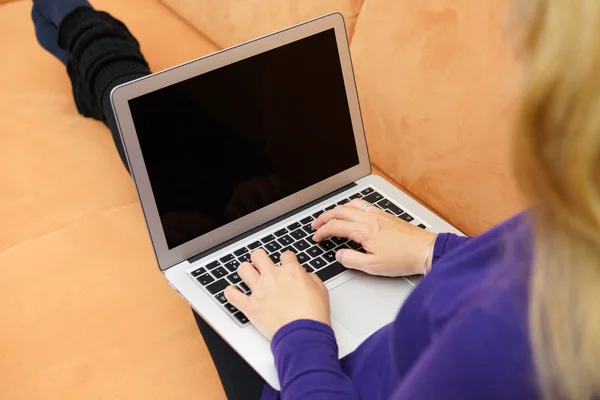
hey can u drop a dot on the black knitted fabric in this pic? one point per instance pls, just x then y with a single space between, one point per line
101 50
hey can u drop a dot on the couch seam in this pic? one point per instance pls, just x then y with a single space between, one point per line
187 23
356 20
70 225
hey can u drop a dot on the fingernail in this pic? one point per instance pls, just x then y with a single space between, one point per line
338 255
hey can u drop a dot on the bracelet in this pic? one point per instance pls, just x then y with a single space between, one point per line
427 255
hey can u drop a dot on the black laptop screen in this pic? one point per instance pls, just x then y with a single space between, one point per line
226 143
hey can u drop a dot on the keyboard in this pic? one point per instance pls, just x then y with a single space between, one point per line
317 258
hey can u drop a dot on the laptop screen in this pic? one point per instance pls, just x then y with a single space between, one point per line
231 141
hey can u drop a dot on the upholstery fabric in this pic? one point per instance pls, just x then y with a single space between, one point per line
231 22
438 88
85 313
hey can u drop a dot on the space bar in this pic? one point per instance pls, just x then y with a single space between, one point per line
329 272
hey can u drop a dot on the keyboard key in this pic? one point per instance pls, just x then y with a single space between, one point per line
353 245
307 268
407 217
285 240
301 245
306 220
244 258
241 317
367 191
317 263
289 248
213 265
395 209
309 229
267 239
275 257
228 257
330 271
221 298
232 266
254 245
219 272
316 215
331 207
294 226
339 240
198 272
234 278
302 258
330 256
273 246
385 203
281 232
240 251
314 251
230 307
310 240
298 234
345 201
422 226
244 287
355 196
362 250
326 245
205 279
218 286
373 197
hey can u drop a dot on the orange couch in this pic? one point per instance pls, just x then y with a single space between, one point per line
83 309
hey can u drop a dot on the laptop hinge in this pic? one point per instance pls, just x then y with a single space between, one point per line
266 225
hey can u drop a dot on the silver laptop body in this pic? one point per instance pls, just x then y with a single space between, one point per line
198 252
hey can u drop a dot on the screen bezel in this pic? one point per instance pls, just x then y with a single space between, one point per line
121 95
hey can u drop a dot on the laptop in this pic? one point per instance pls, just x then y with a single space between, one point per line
243 149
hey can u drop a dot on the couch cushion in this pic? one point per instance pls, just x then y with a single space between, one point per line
438 88
63 166
230 22
88 318
85 312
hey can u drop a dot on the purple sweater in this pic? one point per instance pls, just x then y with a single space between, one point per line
462 333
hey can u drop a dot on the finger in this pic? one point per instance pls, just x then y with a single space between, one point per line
354 259
359 204
288 257
343 213
237 298
336 227
318 281
262 262
249 274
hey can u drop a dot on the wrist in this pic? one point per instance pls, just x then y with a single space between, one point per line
428 261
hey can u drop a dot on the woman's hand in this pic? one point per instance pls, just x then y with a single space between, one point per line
394 247
280 295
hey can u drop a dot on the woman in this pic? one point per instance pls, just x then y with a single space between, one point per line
512 313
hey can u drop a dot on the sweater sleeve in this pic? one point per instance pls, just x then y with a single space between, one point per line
445 243
473 358
306 357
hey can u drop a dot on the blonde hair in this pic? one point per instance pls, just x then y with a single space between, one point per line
557 161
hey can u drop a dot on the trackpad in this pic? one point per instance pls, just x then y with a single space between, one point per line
366 303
